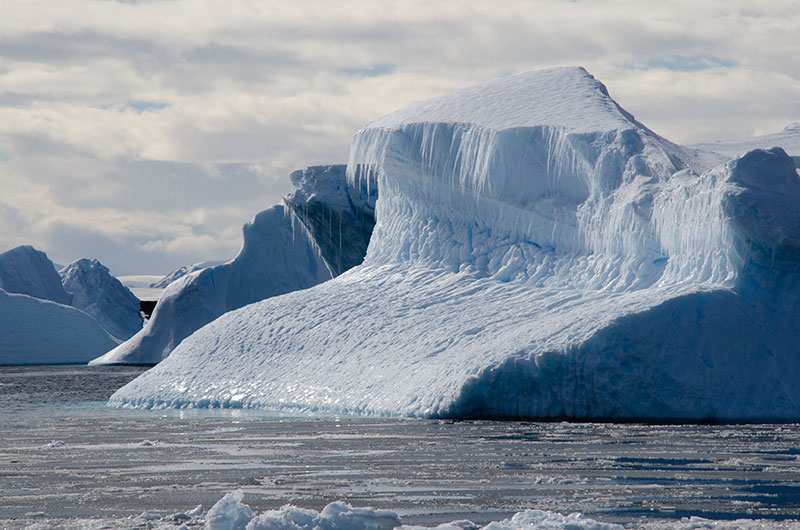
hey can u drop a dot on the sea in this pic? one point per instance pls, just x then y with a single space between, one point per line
69 461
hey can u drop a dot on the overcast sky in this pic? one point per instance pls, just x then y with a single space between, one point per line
145 133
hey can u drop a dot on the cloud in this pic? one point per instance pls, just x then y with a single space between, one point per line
679 63
125 125
375 70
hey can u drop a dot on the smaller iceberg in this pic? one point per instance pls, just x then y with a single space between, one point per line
103 297
183 271
322 228
788 139
38 325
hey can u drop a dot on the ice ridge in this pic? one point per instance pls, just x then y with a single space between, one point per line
537 253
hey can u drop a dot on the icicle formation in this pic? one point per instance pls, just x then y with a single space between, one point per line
549 205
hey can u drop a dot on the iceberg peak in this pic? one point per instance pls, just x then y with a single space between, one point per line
565 97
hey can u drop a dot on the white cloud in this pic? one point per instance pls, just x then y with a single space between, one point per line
124 126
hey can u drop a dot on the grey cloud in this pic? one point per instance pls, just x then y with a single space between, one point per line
138 111
164 186
59 48
128 255
680 63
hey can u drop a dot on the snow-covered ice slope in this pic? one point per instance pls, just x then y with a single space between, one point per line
25 270
277 257
537 253
36 331
103 297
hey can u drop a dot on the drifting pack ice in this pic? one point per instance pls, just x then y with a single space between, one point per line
538 253
321 229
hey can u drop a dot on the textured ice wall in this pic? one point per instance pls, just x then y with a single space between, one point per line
537 253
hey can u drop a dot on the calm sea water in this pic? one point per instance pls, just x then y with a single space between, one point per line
65 455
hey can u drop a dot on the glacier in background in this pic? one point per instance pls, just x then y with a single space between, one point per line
537 253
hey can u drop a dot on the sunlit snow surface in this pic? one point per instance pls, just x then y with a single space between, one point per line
537 253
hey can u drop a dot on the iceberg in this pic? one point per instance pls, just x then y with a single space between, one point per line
38 324
319 230
537 253
103 297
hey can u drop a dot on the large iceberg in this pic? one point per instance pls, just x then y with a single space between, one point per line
307 240
537 253
103 297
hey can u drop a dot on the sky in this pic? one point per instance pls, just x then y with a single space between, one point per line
144 133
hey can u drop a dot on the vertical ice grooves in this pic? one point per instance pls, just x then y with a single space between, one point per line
590 201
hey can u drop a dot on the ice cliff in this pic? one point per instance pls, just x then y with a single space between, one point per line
103 297
340 218
322 228
537 253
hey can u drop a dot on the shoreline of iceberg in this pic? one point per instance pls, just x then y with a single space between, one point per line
537 254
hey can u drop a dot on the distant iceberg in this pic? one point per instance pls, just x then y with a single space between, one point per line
103 297
180 272
38 325
320 229
538 253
